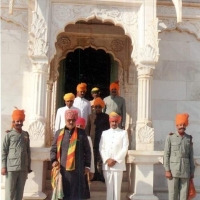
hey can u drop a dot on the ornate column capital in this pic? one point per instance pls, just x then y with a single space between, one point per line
145 68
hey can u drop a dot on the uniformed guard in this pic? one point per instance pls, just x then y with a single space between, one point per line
178 160
15 157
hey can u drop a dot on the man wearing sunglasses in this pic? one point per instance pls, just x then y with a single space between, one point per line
113 148
60 115
97 123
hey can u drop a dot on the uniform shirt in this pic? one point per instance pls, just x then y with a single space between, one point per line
84 106
116 104
60 117
114 144
15 153
178 155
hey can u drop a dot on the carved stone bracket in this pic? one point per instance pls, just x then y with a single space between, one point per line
38 44
146 135
145 70
18 17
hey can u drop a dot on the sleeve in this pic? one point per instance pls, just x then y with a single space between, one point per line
92 169
29 152
57 121
119 157
167 152
5 150
86 150
104 109
107 122
88 126
102 148
89 109
191 158
123 112
53 151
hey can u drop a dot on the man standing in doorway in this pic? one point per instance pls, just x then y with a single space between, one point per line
178 160
60 115
82 103
116 103
16 157
113 148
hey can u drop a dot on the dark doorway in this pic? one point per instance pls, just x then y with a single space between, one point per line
90 66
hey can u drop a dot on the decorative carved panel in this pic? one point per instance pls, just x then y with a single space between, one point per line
36 131
146 135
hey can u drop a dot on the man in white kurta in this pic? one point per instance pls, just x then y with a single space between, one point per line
60 115
82 103
113 148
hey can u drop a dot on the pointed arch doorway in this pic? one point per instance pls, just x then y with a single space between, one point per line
94 67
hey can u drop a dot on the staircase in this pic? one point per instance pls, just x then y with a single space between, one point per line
97 188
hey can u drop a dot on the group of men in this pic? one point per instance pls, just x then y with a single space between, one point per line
81 129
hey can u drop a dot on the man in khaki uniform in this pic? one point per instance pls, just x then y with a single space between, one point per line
178 160
15 157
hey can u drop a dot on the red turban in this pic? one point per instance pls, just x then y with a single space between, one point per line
99 101
69 96
114 85
80 121
182 119
71 114
81 87
18 115
114 116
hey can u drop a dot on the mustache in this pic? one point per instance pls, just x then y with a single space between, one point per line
181 129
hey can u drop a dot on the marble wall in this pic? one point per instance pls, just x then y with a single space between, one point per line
176 89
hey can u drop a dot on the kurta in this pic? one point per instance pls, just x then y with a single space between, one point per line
74 186
60 116
116 104
84 106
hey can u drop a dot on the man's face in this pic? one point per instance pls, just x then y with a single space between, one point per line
114 123
98 109
95 95
70 123
181 128
81 93
69 103
17 124
113 92
79 126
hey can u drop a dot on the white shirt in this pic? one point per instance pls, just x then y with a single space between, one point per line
60 116
84 106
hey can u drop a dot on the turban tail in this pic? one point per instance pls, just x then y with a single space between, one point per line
18 115
80 121
99 101
71 114
182 119
69 96
114 116
81 87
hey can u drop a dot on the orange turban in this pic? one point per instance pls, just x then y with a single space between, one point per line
182 119
69 96
114 85
80 121
81 87
113 116
99 101
71 114
18 115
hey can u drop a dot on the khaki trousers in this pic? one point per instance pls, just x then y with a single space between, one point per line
178 188
14 187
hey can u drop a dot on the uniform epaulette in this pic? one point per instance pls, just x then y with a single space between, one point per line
171 133
7 131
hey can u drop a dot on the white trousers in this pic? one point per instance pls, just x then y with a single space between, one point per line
113 181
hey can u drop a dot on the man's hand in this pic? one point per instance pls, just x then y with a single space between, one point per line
87 170
192 176
168 174
3 171
91 176
111 162
55 164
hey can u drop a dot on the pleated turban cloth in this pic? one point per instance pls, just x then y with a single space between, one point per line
71 114
69 96
81 87
99 101
182 119
18 115
114 85
114 116
80 121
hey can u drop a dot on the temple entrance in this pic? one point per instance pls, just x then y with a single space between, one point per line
94 67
